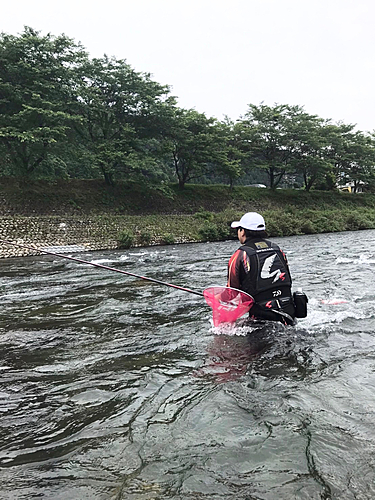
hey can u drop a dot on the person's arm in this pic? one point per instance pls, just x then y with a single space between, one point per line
286 260
234 270
287 265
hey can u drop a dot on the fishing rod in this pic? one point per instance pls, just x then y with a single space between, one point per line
101 266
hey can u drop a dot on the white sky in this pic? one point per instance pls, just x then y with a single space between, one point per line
221 55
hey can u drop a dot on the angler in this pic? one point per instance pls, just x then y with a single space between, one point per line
260 268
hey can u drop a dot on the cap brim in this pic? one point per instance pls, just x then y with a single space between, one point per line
236 223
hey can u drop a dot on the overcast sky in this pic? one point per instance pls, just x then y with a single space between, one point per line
218 56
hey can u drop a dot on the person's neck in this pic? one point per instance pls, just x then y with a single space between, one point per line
252 238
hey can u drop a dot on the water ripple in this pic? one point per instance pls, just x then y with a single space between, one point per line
113 387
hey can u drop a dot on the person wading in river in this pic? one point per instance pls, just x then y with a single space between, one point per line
260 268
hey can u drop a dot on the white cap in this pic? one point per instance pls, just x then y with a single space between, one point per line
251 221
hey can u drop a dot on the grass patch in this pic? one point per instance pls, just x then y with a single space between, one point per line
125 239
168 239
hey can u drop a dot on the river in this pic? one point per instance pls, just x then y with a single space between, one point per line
113 387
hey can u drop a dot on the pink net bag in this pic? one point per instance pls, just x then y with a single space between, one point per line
228 304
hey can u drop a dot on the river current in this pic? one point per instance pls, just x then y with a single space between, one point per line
113 387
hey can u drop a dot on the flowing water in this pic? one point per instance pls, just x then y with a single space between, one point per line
117 388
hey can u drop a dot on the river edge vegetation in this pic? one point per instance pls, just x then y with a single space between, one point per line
149 216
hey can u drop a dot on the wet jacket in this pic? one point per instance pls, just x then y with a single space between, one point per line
260 268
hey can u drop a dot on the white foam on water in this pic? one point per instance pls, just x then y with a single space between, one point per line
320 315
366 259
123 257
106 261
344 260
102 261
92 397
363 258
242 327
231 329
142 253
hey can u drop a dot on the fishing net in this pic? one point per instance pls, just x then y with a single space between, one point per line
228 304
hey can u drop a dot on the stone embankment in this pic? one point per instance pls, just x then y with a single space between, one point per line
90 233
84 233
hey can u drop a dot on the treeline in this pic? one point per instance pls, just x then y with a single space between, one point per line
66 115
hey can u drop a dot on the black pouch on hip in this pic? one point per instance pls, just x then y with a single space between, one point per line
300 304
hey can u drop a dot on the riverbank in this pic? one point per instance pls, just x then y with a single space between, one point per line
91 216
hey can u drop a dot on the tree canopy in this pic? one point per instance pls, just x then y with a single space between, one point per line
63 114
38 79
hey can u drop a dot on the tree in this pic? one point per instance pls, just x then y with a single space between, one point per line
38 79
265 139
276 138
309 157
120 110
193 144
352 154
358 159
230 156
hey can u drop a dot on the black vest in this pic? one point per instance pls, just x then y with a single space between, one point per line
269 277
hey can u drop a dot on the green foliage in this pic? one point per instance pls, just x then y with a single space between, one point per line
192 143
281 224
165 190
208 231
120 109
168 239
274 137
145 237
326 182
319 220
64 115
223 230
37 81
125 238
308 227
204 215
273 228
355 221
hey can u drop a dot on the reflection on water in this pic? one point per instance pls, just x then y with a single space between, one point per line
113 387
